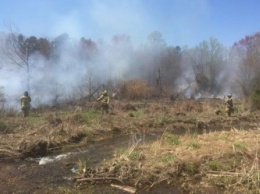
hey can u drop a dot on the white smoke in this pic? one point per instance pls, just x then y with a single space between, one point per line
100 21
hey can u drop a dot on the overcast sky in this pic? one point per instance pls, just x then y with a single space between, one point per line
181 22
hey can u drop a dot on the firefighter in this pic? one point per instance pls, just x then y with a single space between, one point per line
104 98
229 105
25 104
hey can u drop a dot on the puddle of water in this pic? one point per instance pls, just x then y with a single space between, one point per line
52 171
98 151
52 159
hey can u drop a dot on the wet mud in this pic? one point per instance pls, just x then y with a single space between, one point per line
28 176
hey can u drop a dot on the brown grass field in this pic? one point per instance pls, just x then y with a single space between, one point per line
197 151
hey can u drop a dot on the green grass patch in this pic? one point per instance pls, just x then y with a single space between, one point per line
35 120
92 114
194 144
167 159
5 128
214 165
81 117
172 139
240 145
120 151
166 120
224 164
135 155
137 114
82 165
191 168
189 119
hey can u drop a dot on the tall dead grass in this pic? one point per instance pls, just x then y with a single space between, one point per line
227 160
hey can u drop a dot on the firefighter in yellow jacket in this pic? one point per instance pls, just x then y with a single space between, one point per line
104 98
25 104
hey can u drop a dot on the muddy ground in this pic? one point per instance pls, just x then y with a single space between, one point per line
51 131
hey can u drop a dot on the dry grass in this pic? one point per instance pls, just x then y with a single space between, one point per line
197 147
227 160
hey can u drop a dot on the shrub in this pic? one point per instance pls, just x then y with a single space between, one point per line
4 128
82 165
135 89
255 100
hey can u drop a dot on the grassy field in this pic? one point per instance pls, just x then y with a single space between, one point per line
198 150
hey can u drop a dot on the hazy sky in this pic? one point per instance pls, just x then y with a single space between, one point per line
181 22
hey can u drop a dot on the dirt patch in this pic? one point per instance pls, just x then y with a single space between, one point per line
26 177
36 148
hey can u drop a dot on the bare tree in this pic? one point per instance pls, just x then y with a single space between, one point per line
57 91
171 69
208 62
2 98
88 85
17 50
154 49
246 53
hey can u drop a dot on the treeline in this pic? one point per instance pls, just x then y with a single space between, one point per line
63 67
